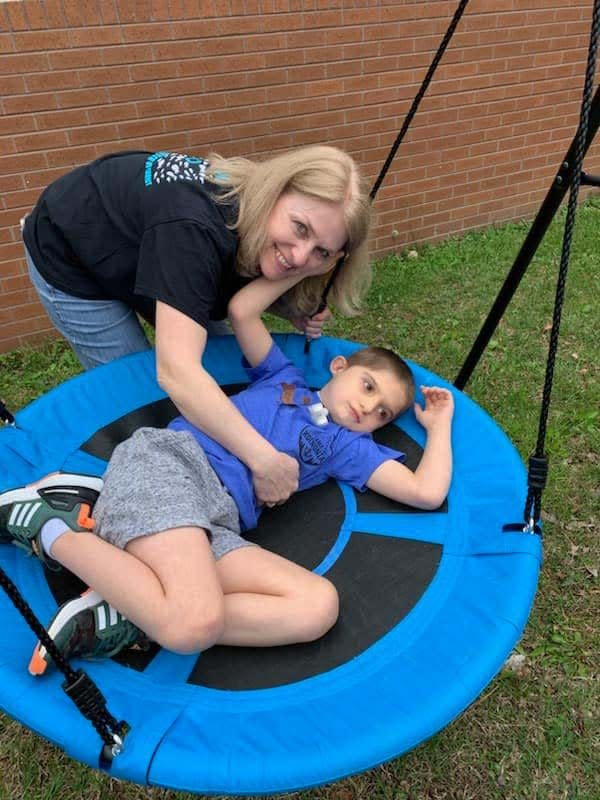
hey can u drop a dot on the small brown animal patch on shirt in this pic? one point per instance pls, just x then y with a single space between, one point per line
287 394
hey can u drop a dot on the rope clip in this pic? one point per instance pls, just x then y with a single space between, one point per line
111 751
118 746
530 527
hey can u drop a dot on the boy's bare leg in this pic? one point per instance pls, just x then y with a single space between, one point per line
166 584
169 585
272 601
261 599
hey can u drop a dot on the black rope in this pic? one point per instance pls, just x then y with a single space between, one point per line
5 415
419 96
538 463
405 126
77 684
323 304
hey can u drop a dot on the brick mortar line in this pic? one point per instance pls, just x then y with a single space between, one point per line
361 59
258 34
417 125
169 81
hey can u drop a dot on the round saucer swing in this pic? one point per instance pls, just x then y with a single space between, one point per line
431 603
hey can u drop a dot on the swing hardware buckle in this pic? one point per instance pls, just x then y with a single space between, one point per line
118 746
530 526
111 751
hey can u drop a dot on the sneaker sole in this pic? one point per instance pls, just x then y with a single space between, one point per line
39 658
62 481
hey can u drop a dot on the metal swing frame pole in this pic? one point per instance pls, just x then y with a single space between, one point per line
554 197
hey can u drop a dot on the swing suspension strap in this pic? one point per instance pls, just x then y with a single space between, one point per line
419 96
538 462
77 684
403 130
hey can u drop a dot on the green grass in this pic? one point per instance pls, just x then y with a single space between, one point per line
532 735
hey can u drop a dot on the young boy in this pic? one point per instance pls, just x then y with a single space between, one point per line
168 558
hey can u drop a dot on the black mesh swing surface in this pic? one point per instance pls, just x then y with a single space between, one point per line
398 571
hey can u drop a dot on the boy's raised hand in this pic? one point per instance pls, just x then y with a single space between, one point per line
439 407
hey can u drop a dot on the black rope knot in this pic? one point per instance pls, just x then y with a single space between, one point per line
5 415
536 481
92 704
538 472
84 692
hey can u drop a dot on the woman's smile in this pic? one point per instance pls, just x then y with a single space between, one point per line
282 259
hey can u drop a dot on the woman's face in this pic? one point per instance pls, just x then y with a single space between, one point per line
304 234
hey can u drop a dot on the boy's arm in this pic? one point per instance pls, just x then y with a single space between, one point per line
427 487
245 310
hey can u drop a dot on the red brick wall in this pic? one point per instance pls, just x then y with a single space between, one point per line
79 78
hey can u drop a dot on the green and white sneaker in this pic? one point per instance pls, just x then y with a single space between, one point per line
87 627
66 496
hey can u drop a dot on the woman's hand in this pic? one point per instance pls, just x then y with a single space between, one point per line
312 326
275 479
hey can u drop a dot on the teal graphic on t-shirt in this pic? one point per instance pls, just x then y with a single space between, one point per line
170 167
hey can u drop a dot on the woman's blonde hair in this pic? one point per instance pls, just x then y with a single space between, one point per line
320 171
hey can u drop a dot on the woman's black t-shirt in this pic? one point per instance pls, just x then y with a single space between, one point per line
138 227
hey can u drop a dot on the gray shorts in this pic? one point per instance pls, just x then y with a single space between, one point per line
160 479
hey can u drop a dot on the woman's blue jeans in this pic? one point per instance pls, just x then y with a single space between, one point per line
98 330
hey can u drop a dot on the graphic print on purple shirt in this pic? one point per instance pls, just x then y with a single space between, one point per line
314 449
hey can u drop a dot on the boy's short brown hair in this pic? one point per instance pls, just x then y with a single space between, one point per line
384 359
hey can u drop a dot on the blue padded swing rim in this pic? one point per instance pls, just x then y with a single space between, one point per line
358 715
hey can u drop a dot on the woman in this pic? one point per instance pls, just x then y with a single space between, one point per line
171 238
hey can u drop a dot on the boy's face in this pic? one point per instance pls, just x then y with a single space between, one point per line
361 398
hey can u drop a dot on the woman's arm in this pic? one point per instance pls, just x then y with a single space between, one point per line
245 314
180 344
